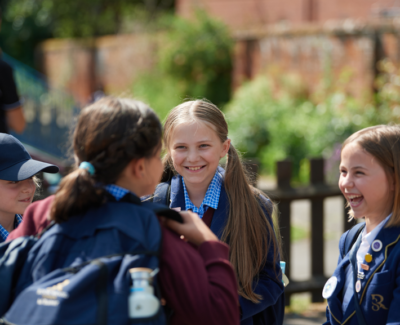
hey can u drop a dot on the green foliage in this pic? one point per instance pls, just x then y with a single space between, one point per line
81 18
298 233
28 22
194 61
276 124
158 90
197 53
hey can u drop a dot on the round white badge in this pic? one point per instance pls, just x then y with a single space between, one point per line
358 286
376 245
329 287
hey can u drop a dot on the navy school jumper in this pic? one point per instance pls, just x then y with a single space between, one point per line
270 310
379 297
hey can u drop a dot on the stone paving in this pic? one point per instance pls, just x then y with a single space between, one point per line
303 320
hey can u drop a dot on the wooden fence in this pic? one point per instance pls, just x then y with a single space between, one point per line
316 192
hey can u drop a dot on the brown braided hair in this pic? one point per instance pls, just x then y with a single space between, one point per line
109 134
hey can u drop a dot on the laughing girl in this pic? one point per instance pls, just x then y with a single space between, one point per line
365 287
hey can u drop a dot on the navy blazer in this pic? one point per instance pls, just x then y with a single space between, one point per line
270 310
379 297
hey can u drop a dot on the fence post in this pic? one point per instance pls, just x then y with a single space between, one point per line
284 174
317 226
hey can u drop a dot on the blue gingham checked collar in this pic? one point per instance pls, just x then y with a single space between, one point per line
4 233
211 198
116 191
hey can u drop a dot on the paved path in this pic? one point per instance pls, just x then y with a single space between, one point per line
301 320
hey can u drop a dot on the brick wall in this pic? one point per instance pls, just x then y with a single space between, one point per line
110 62
245 14
311 53
318 52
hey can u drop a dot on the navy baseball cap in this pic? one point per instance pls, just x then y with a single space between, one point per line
15 162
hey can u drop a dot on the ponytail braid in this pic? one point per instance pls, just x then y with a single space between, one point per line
109 134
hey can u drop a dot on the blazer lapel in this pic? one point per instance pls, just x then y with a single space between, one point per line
177 193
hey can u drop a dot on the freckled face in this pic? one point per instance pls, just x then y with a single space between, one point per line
195 150
16 196
364 183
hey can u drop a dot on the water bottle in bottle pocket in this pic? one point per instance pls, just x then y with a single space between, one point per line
142 301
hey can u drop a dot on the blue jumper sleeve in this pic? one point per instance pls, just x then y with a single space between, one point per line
269 286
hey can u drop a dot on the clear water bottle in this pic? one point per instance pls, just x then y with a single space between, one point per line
142 302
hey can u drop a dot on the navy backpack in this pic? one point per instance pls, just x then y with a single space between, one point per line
60 284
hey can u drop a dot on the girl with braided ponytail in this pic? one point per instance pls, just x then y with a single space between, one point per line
97 211
196 138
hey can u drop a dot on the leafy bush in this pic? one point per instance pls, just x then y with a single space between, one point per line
198 52
194 61
158 90
274 125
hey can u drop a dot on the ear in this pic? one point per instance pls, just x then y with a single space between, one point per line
225 148
138 168
135 169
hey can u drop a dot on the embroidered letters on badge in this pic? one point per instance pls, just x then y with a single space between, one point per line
377 302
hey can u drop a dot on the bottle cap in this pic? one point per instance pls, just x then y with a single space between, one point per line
140 269
283 266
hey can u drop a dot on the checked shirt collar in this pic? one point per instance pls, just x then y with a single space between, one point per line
4 233
211 198
116 191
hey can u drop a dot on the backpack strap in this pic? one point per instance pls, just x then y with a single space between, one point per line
101 293
351 237
152 203
162 194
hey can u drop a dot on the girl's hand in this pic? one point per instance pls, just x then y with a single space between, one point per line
193 228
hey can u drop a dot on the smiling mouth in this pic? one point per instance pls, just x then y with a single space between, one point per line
195 168
25 200
355 200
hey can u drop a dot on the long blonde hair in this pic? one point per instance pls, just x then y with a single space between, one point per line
248 231
383 142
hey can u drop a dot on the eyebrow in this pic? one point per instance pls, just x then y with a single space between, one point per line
358 167
355 167
201 141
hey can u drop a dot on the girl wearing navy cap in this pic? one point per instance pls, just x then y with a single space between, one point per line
17 182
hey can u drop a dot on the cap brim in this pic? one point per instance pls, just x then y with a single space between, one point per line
26 169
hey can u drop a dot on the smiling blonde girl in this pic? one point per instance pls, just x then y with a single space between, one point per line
365 287
196 138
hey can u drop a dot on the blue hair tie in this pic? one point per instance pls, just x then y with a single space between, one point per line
88 166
